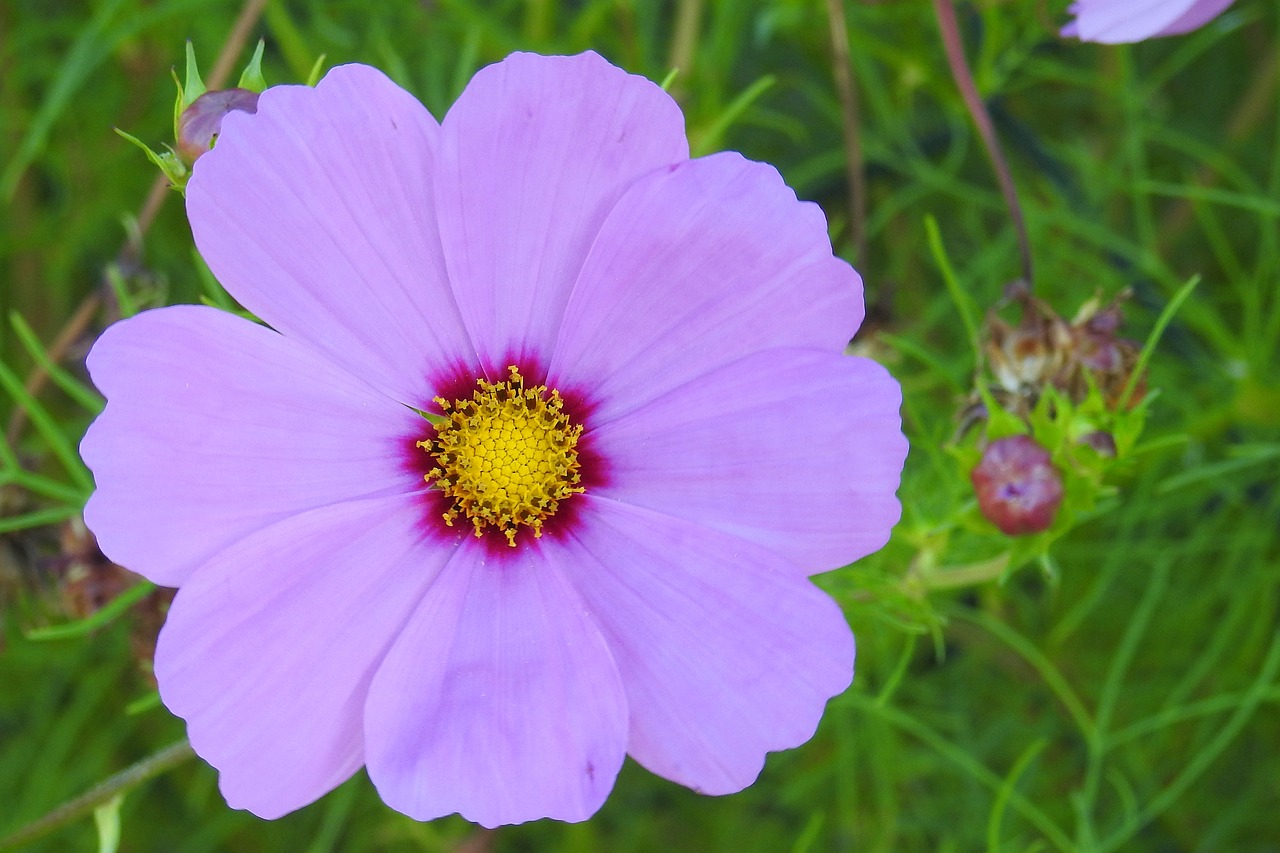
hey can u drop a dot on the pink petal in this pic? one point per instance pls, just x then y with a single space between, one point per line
499 700
697 265
216 427
1197 16
798 450
1117 21
725 653
269 647
533 155
316 214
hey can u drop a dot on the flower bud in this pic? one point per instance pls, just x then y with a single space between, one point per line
1103 443
1019 490
201 122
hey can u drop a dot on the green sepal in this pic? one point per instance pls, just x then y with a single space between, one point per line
168 162
177 102
252 78
194 86
1001 423
188 92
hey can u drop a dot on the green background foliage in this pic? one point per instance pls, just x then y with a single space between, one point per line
1121 693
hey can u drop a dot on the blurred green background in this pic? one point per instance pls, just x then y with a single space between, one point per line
1121 694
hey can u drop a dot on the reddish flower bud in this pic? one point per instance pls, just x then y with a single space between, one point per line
201 122
1018 488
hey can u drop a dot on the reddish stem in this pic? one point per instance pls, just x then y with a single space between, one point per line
978 111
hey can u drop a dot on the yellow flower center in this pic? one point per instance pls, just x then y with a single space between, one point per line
506 457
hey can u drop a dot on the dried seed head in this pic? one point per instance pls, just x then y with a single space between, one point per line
1045 350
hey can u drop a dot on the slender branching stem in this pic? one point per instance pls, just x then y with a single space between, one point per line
973 102
842 69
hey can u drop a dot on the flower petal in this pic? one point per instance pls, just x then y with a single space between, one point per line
269 647
696 266
798 450
1118 21
499 700
1200 13
316 214
215 427
532 156
725 653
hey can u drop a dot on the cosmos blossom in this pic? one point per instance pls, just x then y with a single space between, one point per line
528 469
1116 21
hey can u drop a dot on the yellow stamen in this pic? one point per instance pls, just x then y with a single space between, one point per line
507 456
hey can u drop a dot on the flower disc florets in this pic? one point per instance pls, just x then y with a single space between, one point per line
507 456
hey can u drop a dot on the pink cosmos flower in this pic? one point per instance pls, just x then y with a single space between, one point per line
529 469
1116 21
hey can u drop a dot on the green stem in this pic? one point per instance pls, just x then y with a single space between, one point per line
124 781
973 574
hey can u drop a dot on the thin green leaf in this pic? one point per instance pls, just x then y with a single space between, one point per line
143 704
994 845
1200 762
966 762
899 671
120 287
1157 331
74 70
76 390
36 518
1052 676
968 311
317 70
709 139
100 618
57 442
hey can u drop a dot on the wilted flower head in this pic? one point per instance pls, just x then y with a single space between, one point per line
1026 358
1019 489
1116 21
529 470
1044 350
